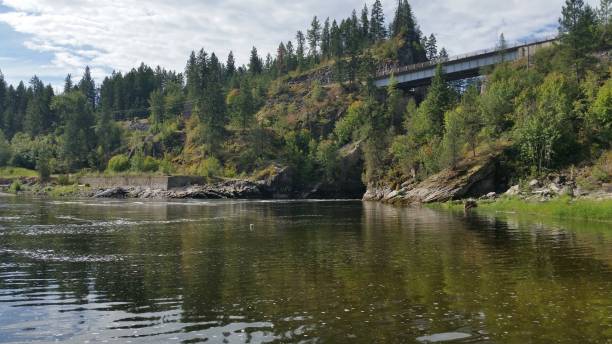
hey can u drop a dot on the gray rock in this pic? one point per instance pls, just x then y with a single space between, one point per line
534 183
112 193
514 191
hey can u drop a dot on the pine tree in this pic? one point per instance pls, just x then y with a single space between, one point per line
88 87
281 58
300 51
245 104
230 66
193 77
377 22
365 26
438 100
443 55
336 40
68 84
577 32
326 40
314 36
291 62
3 101
79 138
431 47
37 110
255 63
212 105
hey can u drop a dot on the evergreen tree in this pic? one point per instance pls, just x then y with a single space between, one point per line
291 62
255 63
443 55
335 40
108 135
377 22
88 87
245 104
577 32
326 40
193 77
300 50
365 26
230 66
314 37
212 105
79 137
281 59
452 142
404 26
431 47
38 112
157 107
3 101
68 86
438 100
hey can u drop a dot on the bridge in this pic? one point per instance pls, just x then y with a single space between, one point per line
459 67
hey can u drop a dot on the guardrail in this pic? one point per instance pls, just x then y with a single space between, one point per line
386 71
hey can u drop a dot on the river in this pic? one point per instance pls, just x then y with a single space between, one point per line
91 271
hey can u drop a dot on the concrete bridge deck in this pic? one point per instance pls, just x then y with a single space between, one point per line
461 66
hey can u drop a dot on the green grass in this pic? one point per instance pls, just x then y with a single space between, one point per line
9 172
564 207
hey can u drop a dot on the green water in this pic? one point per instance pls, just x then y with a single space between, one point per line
307 272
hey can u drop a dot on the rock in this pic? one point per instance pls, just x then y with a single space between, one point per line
112 193
491 195
534 183
514 191
554 188
470 204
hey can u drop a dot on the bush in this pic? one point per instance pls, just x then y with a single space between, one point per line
5 150
15 187
150 164
209 168
64 179
119 163
43 169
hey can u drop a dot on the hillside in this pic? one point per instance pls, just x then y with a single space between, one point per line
318 115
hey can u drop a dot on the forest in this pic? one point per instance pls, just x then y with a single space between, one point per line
300 107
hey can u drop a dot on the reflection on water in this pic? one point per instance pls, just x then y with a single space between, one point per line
333 272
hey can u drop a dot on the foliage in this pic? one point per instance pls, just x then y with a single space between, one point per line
5 150
119 163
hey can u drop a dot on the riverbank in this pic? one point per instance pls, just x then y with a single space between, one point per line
563 207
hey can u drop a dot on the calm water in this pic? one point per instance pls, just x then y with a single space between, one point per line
329 272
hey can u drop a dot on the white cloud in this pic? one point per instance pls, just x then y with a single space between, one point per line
119 34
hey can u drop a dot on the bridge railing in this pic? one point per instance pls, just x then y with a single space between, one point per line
388 70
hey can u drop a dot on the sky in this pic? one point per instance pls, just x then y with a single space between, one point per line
51 38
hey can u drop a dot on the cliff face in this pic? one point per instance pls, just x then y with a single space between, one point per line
471 179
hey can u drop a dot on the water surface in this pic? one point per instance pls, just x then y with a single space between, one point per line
309 272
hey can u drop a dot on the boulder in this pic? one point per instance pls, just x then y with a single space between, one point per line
534 183
514 191
112 193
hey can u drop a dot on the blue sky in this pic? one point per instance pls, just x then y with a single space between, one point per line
51 38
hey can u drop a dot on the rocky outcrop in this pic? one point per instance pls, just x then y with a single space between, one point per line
474 179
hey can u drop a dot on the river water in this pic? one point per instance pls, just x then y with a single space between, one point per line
91 271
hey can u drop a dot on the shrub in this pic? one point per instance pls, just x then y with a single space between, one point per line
209 168
15 187
166 167
43 169
64 179
5 150
119 163
150 164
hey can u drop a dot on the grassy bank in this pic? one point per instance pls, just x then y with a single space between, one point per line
9 172
563 207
